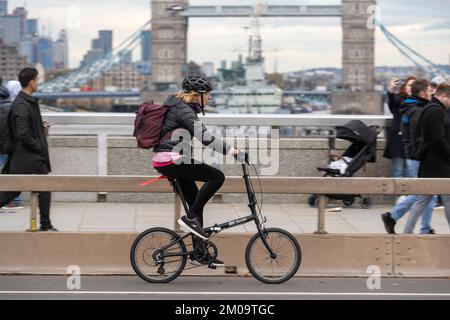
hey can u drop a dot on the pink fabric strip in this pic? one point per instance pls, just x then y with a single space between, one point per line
161 164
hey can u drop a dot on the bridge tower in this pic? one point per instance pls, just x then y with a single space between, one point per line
358 60
169 47
358 46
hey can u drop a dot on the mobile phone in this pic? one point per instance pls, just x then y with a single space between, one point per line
401 82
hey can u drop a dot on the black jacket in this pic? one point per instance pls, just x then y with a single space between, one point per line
184 116
435 122
411 102
409 110
4 98
31 154
394 145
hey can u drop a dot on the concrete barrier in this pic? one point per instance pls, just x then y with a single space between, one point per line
421 255
323 255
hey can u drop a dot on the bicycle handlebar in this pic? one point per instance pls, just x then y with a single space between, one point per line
243 158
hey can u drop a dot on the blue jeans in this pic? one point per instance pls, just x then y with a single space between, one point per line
3 160
405 168
399 168
420 206
412 171
402 208
412 168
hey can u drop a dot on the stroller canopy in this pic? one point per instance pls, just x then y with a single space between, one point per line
357 131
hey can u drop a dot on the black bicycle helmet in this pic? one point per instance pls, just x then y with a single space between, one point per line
197 83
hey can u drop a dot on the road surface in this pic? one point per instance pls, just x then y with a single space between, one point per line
218 288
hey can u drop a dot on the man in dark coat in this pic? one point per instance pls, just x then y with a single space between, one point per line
31 153
436 159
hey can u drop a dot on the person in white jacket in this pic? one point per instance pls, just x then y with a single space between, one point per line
14 88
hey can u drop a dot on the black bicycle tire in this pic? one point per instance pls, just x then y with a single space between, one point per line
348 203
287 276
135 266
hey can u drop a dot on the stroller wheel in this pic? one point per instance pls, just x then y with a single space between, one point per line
349 202
366 203
313 201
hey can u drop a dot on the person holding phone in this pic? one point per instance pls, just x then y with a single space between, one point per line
399 90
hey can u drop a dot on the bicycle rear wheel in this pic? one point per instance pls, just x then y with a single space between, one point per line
279 268
151 265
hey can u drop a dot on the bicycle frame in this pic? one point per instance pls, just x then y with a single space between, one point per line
224 226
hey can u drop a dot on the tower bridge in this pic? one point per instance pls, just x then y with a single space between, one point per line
170 22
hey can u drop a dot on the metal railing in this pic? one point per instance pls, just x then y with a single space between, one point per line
272 120
103 125
270 185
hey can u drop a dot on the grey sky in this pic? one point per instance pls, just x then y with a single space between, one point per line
297 43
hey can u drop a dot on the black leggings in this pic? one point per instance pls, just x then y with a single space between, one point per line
187 175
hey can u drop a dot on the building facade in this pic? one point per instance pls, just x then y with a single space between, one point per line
22 13
33 27
105 38
123 77
11 62
3 8
146 45
10 30
61 52
100 47
45 53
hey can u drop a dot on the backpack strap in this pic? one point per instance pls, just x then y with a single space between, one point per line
168 134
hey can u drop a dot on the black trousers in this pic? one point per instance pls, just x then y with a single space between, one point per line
44 205
187 175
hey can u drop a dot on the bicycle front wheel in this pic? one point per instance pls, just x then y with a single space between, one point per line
278 268
149 261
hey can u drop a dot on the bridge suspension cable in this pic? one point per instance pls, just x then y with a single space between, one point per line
416 58
83 75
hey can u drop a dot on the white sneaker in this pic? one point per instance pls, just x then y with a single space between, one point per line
192 226
215 263
14 207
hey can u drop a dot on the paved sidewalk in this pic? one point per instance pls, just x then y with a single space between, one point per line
120 217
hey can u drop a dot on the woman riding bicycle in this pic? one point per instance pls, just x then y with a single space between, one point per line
170 160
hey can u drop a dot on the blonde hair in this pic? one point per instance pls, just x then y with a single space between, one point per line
191 97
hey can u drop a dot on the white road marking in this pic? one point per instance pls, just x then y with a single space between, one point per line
180 293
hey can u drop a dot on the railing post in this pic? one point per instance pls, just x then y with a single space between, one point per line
33 212
102 150
321 215
177 213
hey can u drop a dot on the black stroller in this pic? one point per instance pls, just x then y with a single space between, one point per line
362 150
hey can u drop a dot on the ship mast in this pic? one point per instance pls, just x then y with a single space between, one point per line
254 67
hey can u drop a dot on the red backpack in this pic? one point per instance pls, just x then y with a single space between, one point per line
148 124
